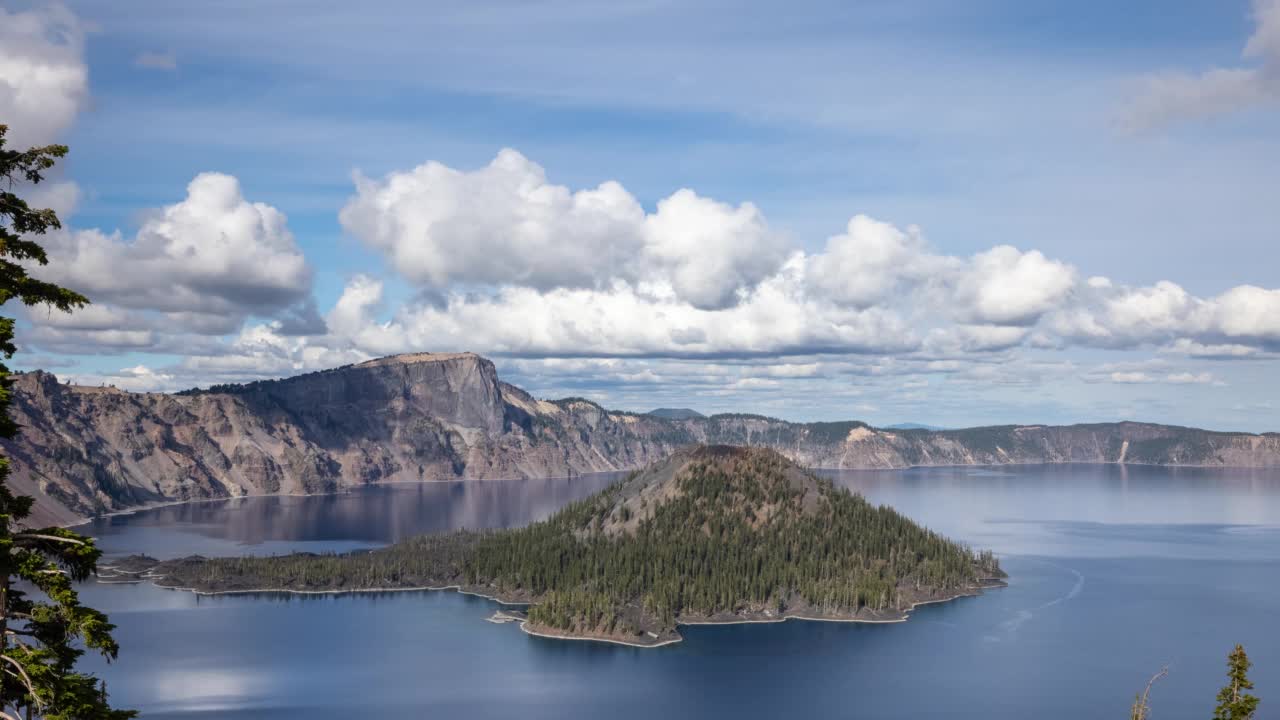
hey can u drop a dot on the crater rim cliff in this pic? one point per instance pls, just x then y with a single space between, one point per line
447 416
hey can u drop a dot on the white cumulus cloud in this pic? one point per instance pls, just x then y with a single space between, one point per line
213 252
195 272
1006 286
710 251
44 81
507 225
501 224
873 260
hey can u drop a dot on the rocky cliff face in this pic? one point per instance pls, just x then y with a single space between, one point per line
444 416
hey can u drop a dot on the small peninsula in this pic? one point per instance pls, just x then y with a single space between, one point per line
713 534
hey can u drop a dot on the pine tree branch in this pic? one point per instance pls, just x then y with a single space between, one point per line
40 536
26 679
14 636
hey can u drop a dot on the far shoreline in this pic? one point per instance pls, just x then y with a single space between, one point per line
343 491
386 483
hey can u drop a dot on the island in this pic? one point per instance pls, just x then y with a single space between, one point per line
712 534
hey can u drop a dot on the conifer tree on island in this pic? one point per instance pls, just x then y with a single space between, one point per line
43 627
1233 702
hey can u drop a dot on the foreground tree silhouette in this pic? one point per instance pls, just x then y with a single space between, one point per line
43 626
1233 702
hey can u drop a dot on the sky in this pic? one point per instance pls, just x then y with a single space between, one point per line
997 211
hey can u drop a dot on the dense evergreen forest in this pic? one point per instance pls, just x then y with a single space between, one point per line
713 533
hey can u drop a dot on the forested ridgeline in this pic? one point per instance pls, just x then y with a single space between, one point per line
712 533
419 562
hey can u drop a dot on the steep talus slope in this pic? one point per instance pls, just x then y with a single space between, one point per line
425 416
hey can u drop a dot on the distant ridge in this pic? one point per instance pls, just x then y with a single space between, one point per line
676 414
914 426
91 450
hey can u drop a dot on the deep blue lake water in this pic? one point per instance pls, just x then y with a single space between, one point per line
1114 573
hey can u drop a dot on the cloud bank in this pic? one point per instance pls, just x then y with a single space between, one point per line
511 264
503 261
526 267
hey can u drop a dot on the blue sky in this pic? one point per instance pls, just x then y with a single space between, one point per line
1004 158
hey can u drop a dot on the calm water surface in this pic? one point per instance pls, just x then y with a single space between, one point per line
1115 572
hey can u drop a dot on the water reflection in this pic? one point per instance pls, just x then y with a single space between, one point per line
364 517
1040 509
1102 493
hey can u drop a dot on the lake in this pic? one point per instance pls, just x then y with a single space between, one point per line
1115 572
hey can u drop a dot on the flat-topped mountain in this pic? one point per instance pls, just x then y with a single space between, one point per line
87 450
711 534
